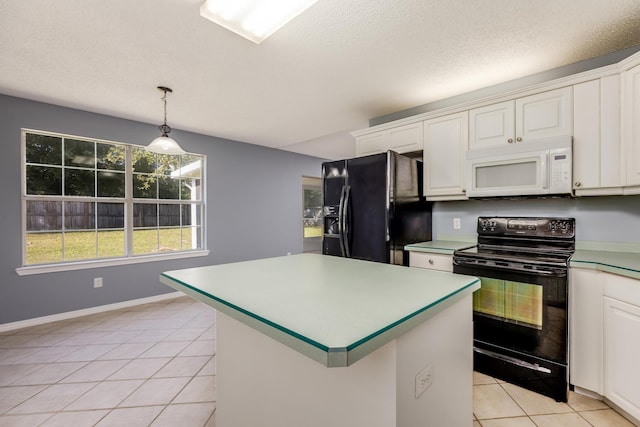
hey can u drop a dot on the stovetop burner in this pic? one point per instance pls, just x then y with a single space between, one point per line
525 242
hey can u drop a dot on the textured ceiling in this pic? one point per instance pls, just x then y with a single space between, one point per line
326 73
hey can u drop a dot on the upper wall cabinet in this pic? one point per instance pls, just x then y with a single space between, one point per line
401 139
542 115
445 145
631 128
597 158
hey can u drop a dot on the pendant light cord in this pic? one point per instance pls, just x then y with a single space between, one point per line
165 128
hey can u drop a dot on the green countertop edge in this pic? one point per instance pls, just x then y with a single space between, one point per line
622 263
327 356
439 246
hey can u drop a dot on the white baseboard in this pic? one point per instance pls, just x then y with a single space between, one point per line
87 311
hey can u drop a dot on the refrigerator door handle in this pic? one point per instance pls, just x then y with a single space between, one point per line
341 220
345 221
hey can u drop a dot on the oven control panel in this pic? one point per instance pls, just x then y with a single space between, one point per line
525 226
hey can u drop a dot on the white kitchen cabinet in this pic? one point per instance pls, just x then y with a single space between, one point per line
622 343
372 144
631 128
492 125
430 261
543 115
445 145
401 139
586 329
596 137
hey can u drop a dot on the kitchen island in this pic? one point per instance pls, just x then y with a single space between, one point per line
312 340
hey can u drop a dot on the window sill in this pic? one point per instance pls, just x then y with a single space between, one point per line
81 265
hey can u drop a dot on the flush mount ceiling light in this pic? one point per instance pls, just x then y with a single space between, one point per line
253 19
164 144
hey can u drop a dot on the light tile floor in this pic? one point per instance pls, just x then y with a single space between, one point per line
154 365
500 404
148 365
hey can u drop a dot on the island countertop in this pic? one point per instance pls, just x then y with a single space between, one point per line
334 310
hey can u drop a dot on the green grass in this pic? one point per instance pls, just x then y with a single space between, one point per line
45 248
312 231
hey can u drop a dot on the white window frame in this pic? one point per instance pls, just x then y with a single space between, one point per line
128 200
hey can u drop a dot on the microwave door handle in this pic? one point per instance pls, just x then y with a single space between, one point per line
545 166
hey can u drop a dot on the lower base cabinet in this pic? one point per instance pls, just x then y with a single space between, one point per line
440 262
621 309
604 337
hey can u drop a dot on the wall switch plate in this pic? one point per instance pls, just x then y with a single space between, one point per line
97 282
423 380
456 223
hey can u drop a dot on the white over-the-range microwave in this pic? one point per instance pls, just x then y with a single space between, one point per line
541 167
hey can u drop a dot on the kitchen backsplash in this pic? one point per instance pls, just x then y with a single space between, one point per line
598 219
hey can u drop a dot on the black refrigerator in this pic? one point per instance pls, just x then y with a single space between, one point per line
373 206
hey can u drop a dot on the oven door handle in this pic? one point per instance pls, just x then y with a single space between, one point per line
555 272
512 360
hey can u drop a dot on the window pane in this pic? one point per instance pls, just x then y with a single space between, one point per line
143 161
168 164
42 215
170 239
145 242
79 182
168 188
111 243
110 156
190 189
191 166
79 153
169 215
43 248
191 238
110 215
110 184
191 215
144 186
43 149
79 245
44 180
79 216
145 215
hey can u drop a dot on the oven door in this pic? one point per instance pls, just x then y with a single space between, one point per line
520 326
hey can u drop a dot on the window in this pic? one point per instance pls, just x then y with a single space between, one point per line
85 199
311 214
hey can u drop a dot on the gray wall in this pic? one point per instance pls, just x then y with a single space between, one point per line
254 210
598 219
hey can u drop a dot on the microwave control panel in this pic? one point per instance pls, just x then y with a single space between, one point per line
560 171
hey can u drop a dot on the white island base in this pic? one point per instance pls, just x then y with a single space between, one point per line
262 382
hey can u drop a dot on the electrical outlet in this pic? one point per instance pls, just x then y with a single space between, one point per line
97 282
456 223
423 380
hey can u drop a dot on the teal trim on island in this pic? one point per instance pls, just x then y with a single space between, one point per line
334 310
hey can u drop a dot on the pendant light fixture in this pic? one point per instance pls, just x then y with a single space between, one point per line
164 144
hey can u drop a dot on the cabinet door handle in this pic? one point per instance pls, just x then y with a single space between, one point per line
577 184
510 140
519 139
